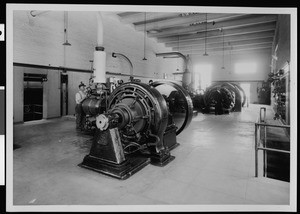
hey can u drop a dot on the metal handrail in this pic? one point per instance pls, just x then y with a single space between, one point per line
261 122
273 125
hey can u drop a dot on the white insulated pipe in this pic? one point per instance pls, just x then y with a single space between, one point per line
99 64
99 29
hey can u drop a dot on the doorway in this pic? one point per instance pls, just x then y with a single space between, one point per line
203 76
33 97
64 94
246 88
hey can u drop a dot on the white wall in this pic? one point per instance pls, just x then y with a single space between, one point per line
283 40
262 59
38 40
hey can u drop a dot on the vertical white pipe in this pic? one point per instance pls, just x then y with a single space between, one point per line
99 29
99 54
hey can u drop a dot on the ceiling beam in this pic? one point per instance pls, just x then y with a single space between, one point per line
216 33
227 49
226 44
230 38
126 14
151 16
185 20
267 50
250 50
251 20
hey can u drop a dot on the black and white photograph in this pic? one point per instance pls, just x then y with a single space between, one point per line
150 108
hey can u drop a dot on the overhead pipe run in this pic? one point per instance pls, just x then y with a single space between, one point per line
127 59
35 13
99 54
170 57
66 69
187 75
167 54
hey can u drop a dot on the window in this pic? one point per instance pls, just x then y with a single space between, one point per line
245 68
202 76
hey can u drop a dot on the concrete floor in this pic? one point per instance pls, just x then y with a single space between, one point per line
214 165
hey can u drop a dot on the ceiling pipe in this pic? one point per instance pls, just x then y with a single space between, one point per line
127 59
99 64
171 57
35 13
187 76
170 54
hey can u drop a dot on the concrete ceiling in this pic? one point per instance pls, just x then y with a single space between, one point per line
195 33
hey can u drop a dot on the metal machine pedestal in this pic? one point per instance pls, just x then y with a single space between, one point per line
161 159
170 138
107 156
121 171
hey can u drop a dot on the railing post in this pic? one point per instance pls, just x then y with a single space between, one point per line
265 152
260 119
256 152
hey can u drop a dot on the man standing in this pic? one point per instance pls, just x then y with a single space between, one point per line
79 98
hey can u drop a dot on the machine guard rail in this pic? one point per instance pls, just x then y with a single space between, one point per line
261 139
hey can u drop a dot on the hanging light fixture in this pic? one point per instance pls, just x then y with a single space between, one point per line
145 34
178 51
223 67
205 54
230 64
66 29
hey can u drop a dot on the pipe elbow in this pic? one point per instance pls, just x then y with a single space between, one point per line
115 55
185 59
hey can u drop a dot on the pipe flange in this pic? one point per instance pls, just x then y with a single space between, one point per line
99 48
102 122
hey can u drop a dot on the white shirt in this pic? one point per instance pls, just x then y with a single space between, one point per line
79 97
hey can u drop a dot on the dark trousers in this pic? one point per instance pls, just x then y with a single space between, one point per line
79 116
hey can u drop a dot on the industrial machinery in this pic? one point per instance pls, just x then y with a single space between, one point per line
264 93
278 80
96 101
138 127
222 97
94 104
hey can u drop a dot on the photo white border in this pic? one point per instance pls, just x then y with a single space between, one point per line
123 8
